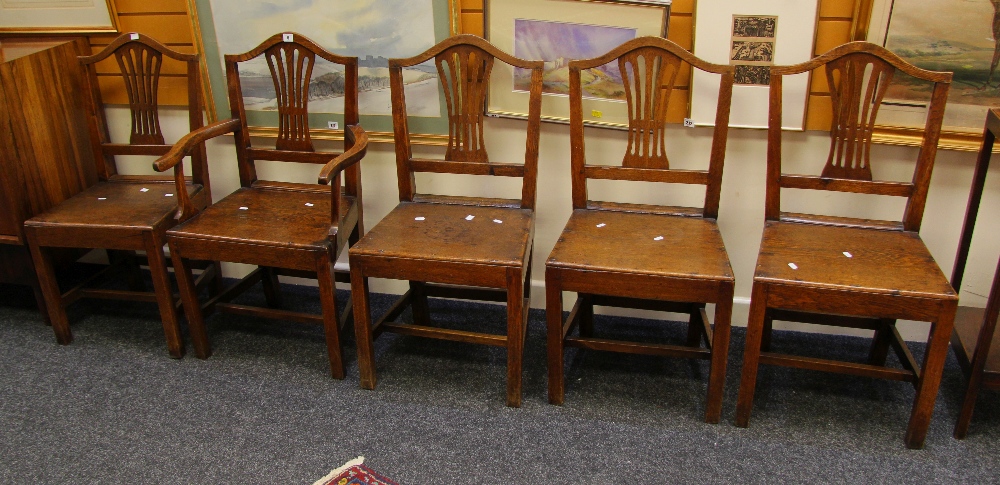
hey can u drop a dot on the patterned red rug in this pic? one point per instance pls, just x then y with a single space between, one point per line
354 472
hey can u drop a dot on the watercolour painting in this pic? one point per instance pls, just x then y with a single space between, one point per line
373 30
558 42
965 40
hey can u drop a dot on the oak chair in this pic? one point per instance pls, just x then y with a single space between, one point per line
975 338
439 240
126 213
676 260
295 229
852 272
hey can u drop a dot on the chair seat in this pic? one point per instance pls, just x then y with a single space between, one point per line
498 236
880 262
131 204
267 217
690 246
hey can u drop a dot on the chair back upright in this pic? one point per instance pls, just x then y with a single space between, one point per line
464 64
858 75
650 68
140 62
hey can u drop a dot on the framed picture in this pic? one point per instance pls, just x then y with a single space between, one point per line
57 16
752 35
374 31
556 31
965 39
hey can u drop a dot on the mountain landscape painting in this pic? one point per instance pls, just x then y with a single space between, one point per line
557 43
373 30
960 36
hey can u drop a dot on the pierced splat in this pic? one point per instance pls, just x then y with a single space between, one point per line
140 68
291 70
465 75
648 75
857 84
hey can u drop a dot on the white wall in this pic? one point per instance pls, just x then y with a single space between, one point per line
742 205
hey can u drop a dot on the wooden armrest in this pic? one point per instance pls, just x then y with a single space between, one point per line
355 137
184 146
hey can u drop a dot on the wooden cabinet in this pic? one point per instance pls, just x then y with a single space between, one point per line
45 150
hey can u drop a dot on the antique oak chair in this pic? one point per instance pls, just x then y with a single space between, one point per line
975 337
295 229
851 272
461 241
676 260
126 213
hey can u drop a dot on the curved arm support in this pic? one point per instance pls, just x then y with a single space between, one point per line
357 139
184 146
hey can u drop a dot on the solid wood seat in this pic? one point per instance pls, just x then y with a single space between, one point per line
852 272
284 228
975 340
643 256
446 235
127 212
884 262
697 240
274 218
488 255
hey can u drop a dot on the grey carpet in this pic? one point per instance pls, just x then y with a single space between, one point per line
112 407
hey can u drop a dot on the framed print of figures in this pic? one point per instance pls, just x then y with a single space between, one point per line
374 31
57 16
752 35
960 36
557 31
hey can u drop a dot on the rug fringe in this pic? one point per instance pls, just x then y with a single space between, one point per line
323 481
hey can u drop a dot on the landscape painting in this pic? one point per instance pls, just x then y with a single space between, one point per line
557 43
961 36
372 30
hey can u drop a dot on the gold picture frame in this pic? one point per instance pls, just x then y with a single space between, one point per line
525 28
379 126
874 23
58 17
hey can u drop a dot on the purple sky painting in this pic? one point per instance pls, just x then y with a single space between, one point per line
543 40
556 43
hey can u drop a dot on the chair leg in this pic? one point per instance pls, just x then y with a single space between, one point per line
765 340
164 293
49 287
132 271
515 335
554 336
720 353
969 402
930 376
586 315
272 289
362 326
36 288
694 327
192 308
217 284
751 353
881 342
418 303
331 317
